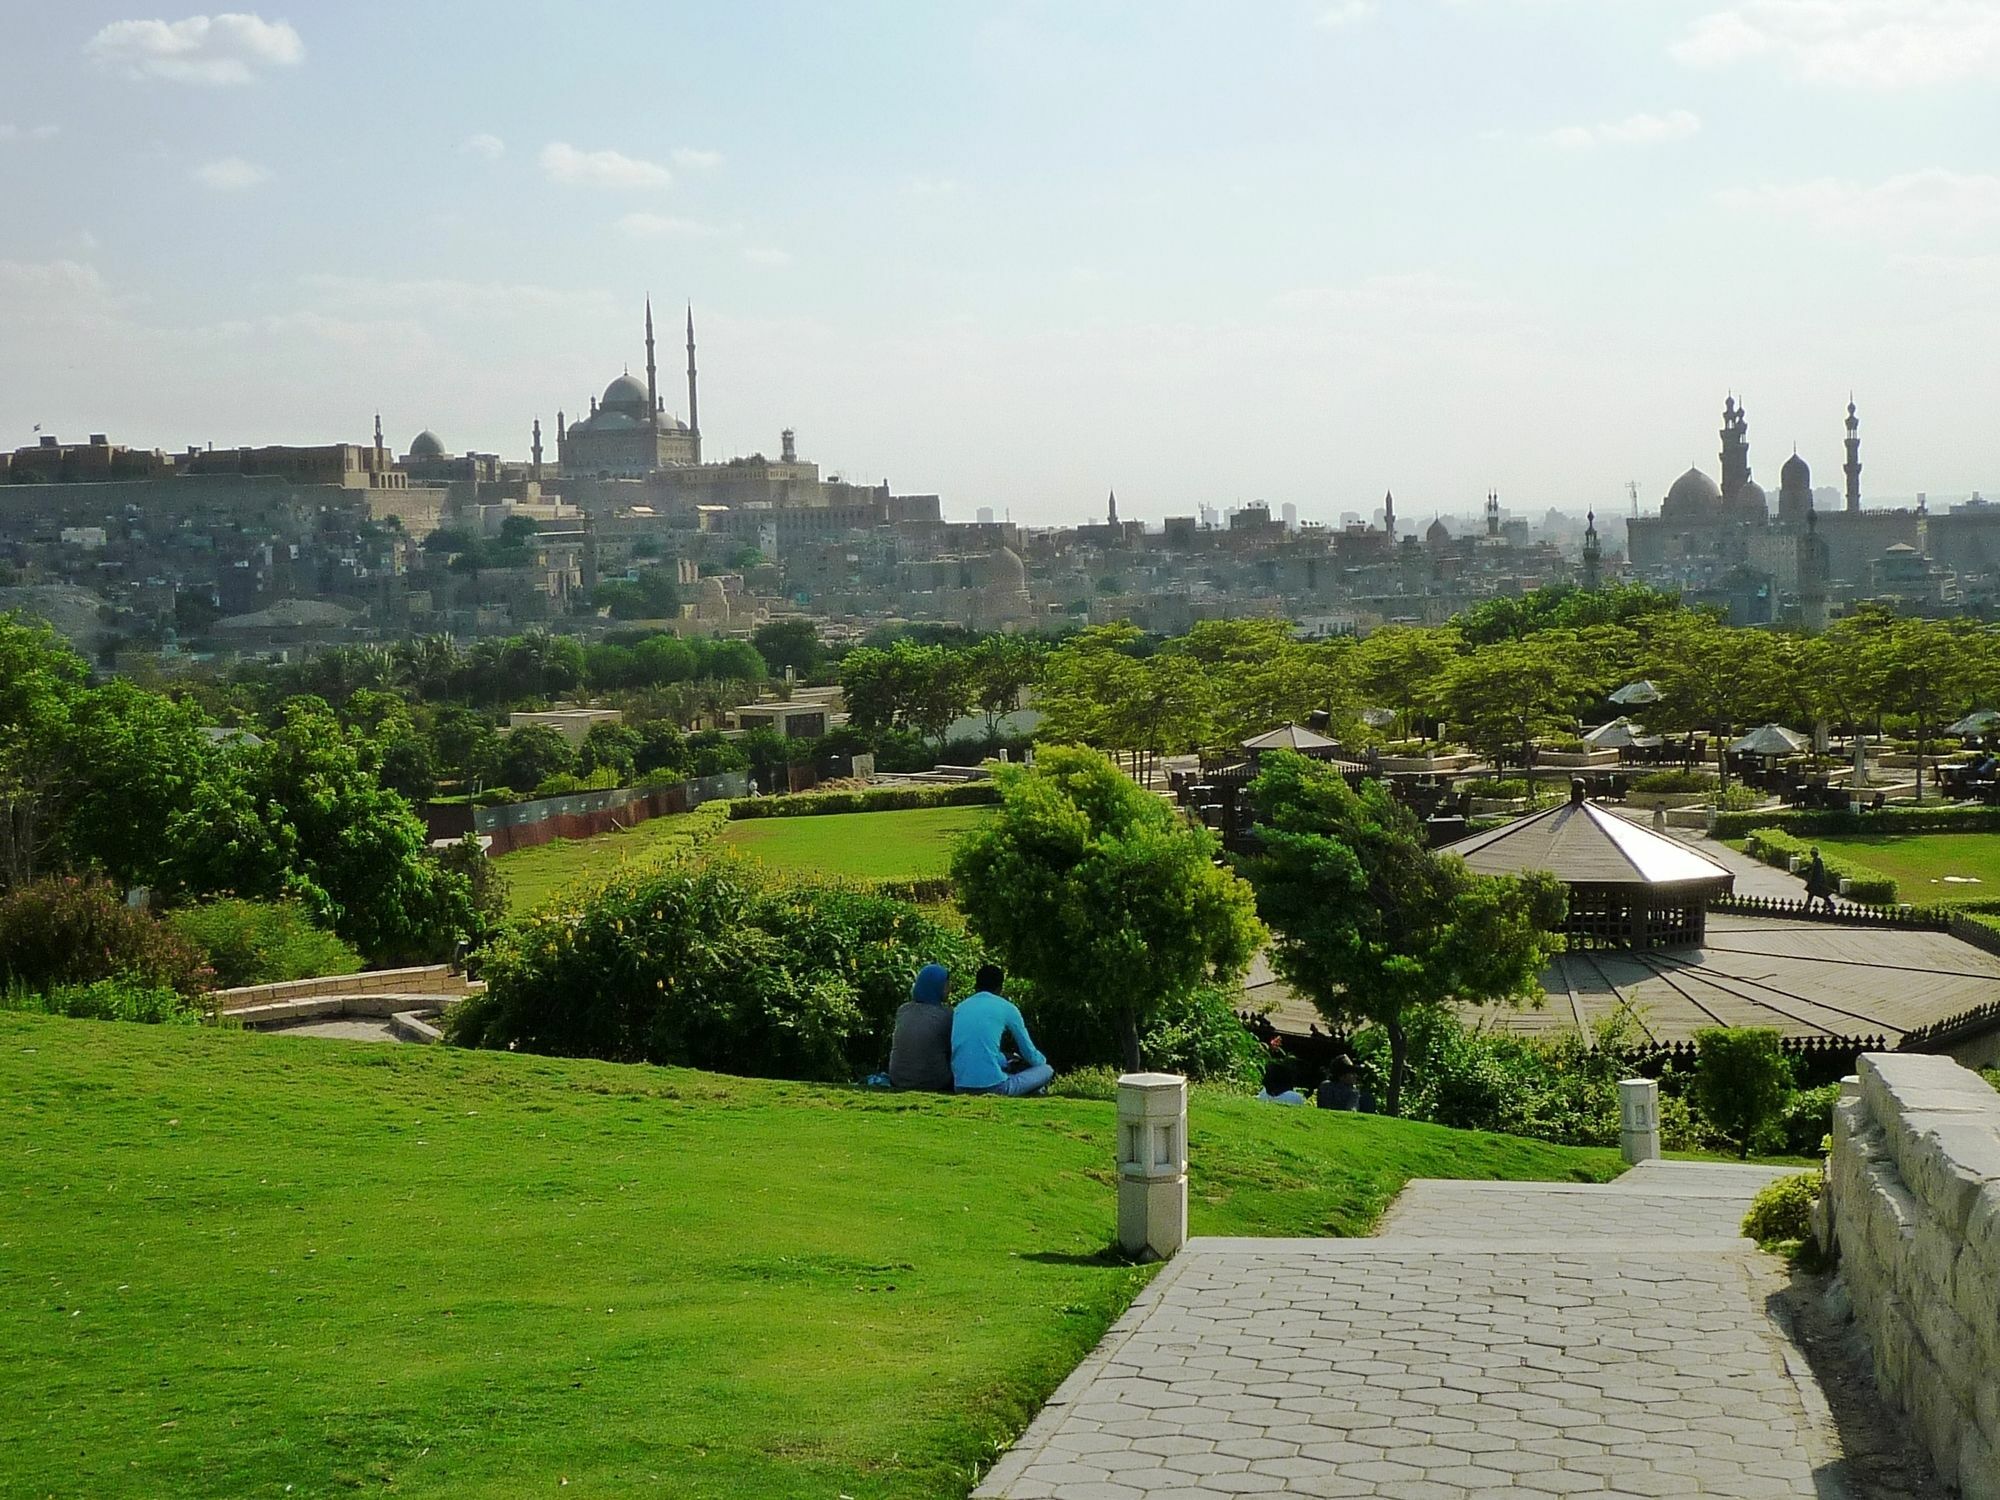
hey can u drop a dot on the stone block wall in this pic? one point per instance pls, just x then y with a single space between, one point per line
1913 1204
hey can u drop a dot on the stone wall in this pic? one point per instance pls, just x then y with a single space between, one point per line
1914 1207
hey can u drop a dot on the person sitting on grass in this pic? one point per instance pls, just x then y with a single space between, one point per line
920 1051
1278 1073
1343 1090
982 1023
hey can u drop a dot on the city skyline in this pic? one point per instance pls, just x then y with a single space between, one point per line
1017 256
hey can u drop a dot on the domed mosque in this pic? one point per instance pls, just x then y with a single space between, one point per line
1696 500
628 433
426 444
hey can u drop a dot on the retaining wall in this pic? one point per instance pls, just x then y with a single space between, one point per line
1913 1204
429 979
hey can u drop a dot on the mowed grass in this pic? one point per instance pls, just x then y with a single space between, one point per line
234 1264
914 844
534 875
1920 861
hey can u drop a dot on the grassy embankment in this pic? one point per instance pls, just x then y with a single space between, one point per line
234 1264
1919 862
908 845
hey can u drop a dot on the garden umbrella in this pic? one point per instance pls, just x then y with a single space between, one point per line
1378 718
1975 723
1770 739
1642 691
1617 735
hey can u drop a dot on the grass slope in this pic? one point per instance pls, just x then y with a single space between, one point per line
1920 861
914 844
534 875
234 1264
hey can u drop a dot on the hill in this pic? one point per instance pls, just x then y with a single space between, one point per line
245 1264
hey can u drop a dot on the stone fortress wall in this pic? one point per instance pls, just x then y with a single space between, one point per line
1913 1204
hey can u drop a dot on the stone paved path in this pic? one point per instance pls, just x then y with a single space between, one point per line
1495 1339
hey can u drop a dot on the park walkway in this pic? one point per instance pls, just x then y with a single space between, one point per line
1493 1339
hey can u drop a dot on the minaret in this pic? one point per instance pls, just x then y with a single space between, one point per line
381 457
1389 513
1593 556
1853 464
1814 562
1735 449
694 406
1492 513
1111 516
536 472
652 373
562 438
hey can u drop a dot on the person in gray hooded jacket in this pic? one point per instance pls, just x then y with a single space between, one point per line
920 1052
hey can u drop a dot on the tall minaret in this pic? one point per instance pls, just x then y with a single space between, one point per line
536 472
562 437
694 406
381 457
1593 555
1111 516
1389 513
1493 513
1815 563
652 373
1853 464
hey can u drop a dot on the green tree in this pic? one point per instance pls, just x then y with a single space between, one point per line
1710 677
1098 895
1930 670
1501 697
1400 666
789 643
1003 668
612 747
1741 1082
532 754
1372 926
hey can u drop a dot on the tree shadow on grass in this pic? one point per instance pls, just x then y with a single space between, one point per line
1110 1258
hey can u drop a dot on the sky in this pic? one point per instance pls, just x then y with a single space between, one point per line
1021 254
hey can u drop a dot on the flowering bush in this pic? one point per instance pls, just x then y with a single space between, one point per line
66 930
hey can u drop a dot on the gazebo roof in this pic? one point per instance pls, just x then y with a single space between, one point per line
1289 737
1583 844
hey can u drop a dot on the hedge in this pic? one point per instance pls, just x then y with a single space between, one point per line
1775 846
875 799
1903 817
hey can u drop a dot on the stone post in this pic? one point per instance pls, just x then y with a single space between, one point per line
1152 1164
1639 1119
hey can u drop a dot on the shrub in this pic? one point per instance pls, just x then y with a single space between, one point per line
1086 1083
713 965
1782 1210
1741 1083
1735 797
563 784
1808 1119
1676 781
1499 788
262 942
874 799
119 999
65 930
1775 846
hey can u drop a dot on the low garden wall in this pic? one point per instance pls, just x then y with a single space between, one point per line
1913 1205
427 979
577 815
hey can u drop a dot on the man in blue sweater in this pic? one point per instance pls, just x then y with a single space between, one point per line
981 1022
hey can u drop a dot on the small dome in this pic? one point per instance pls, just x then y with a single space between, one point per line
1437 531
1796 474
627 393
1003 572
427 444
1752 497
1692 494
606 420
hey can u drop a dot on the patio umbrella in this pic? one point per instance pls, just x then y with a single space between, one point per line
1619 734
1770 739
1642 691
1975 723
1378 718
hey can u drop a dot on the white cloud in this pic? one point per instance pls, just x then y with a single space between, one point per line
1884 44
489 146
447 297
213 50
1633 130
765 256
1341 13
1915 205
934 187
230 174
697 161
9 132
563 162
667 227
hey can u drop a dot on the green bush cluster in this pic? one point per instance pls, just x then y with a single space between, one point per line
1736 797
713 965
67 930
262 942
1675 781
1198 1035
1775 846
1781 1213
122 998
1498 788
566 784
875 799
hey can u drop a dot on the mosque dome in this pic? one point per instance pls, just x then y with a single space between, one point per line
1693 495
1437 533
1796 474
1004 572
427 444
604 419
1752 497
627 393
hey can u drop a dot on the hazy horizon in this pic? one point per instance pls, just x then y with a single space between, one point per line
1020 255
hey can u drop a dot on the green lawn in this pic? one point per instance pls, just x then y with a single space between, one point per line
1920 861
234 1264
534 875
909 845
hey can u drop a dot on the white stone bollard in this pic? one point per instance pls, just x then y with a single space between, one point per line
1152 1164
1639 1119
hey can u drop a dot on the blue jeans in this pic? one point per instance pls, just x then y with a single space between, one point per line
1030 1080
